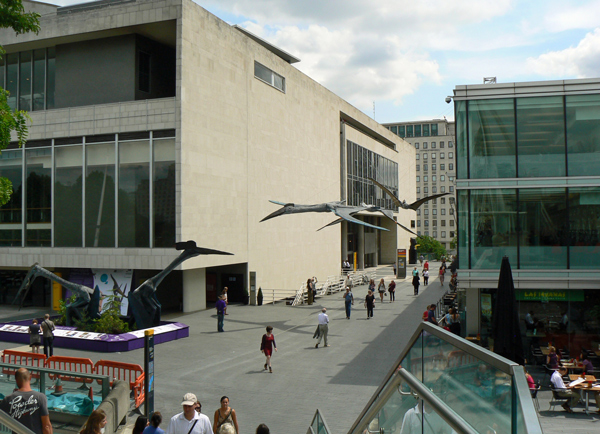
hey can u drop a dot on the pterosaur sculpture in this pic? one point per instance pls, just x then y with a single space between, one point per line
343 211
86 299
402 203
145 307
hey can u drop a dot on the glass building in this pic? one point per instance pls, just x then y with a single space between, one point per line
528 184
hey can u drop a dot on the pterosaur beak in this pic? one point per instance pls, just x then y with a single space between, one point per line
277 213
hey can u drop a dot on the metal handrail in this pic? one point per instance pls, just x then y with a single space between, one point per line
12 424
42 381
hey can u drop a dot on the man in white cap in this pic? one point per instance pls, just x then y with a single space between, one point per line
189 421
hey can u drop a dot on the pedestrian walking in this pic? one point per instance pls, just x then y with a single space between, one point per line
421 258
425 277
34 336
189 421
392 291
426 265
155 421
323 327
415 282
225 419
267 345
415 272
220 306
349 300
28 406
442 272
381 289
370 304
309 291
372 285
431 315
48 334
95 423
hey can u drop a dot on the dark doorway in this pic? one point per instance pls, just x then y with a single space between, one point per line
211 287
235 283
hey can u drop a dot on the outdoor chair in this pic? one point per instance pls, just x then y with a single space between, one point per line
548 371
555 399
534 393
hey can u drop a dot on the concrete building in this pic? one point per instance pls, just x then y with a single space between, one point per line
528 183
154 121
434 141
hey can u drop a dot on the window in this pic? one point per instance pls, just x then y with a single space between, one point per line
443 234
144 72
451 234
451 189
265 74
418 223
432 145
451 211
443 200
424 145
434 201
424 167
419 212
401 131
451 166
425 178
441 145
418 157
418 190
425 190
434 129
442 156
442 167
412 224
417 130
425 156
426 233
426 224
443 211
434 223
451 224
418 168
425 130
442 177
443 222
394 129
416 145
450 155
426 211
443 189
418 179
434 189
434 235
409 131
451 178
452 200
449 144
434 211
433 178
433 155
433 166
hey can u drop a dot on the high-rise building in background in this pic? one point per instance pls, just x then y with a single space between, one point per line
434 141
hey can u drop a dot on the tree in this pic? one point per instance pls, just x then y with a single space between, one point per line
13 16
429 245
454 242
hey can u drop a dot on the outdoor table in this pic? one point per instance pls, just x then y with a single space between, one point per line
586 389
573 366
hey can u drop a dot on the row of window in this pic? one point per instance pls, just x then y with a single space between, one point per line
433 145
362 164
434 167
434 223
433 156
434 178
528 137
90 194
417 130
29 77
434 234
434 211
537 228
434 189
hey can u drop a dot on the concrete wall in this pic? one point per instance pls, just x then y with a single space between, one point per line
98 71
194 289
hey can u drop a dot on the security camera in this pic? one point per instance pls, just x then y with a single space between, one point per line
448 99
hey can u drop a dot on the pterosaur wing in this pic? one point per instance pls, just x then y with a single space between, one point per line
394 198
279 203
390 215
405 228
335 222
346 214
420 202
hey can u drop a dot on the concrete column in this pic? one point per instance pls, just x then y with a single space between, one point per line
194 290
473 311
361 247
344 240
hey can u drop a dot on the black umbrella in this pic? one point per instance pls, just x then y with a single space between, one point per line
505 324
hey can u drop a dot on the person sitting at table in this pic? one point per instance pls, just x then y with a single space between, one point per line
563 391
552 358
585 361
530 381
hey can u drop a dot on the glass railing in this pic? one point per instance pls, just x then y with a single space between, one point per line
443 383
10 425
318 425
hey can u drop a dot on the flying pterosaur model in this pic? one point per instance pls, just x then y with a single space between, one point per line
402 203
344 212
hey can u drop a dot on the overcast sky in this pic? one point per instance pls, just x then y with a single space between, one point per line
406 56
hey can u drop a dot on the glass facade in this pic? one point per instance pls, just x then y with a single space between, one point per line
29 77
583 135
91 194
363 164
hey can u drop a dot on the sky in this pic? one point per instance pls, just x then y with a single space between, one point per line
397 60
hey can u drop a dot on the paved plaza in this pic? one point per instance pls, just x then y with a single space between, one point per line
338 380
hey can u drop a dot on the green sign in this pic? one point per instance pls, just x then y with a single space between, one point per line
549 295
